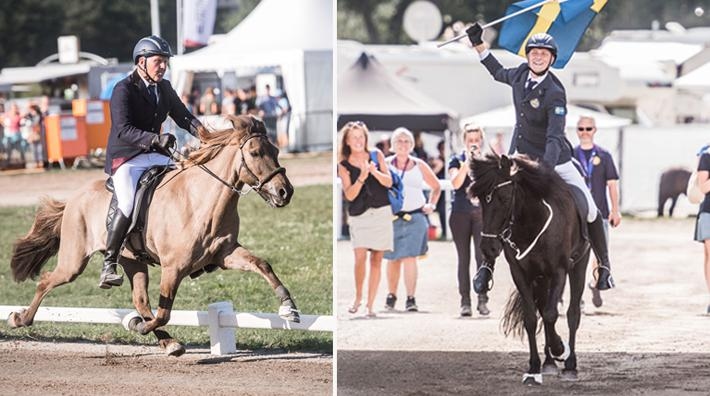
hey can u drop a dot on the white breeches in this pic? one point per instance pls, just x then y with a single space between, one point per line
571 176
125 179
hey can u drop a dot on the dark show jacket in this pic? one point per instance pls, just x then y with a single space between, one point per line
539 115
135 119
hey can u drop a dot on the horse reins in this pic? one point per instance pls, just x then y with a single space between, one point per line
507 232
243 164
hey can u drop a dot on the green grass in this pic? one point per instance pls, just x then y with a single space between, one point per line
295 240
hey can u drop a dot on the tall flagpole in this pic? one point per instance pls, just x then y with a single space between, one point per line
180 39
499 20
154 18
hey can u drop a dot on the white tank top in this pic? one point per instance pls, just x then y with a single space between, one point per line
413 181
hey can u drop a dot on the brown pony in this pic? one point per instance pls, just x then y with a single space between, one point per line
192 223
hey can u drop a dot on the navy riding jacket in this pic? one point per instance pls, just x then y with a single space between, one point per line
135 119
540 114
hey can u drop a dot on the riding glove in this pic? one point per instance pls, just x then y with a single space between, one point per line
475 33
163 142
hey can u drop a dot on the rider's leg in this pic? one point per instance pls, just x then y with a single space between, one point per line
597 237
125 181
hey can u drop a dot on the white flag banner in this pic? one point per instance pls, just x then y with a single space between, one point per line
198 21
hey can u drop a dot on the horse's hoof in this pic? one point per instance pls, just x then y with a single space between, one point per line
569 375
130 321
549 369
140 327
532 379
14 319
289 313
175 349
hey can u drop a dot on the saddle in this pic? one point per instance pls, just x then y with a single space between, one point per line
135 237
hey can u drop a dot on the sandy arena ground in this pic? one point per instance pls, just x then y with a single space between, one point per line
649 337
32 368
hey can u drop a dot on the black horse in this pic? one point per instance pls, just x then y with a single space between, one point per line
672 184
529 213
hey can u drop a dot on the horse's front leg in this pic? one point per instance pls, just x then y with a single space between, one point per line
137 274
242 259
555 347
533 375
574 313
169 283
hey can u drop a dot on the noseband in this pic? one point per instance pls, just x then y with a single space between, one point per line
506 234
259 183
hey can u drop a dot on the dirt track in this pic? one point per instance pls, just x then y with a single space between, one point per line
649 337
29 368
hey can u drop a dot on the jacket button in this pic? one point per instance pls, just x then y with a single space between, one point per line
520 137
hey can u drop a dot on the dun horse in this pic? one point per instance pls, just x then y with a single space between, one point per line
191 224
529 213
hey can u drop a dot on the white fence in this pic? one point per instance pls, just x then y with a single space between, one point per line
220 318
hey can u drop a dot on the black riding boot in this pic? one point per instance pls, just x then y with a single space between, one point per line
116 233
600 247
482 279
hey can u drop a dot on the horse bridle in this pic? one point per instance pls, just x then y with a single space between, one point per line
506 234
259 183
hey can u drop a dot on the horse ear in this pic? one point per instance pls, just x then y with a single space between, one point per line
505 162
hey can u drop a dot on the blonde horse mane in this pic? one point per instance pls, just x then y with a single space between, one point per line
212 142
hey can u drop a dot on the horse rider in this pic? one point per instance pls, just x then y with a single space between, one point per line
139 105
540 106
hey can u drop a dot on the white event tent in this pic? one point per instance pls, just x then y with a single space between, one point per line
296 36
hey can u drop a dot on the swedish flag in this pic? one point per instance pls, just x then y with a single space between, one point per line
565 20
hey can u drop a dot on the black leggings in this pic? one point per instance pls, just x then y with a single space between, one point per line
464 226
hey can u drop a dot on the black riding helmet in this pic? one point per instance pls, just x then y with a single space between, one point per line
541 40
151 46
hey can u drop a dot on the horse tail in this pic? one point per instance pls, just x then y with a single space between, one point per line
513 321
513 315
32 251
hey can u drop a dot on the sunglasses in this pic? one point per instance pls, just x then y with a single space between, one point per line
588 129
355 123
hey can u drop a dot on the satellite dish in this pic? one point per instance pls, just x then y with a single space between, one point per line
422 21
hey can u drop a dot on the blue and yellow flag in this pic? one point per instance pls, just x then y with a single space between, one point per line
566 21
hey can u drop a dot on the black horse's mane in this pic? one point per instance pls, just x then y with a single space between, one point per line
536 180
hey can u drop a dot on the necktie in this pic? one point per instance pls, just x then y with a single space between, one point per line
529 86
153 94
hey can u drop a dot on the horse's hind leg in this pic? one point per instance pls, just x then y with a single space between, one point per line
71 262
242 259
137 274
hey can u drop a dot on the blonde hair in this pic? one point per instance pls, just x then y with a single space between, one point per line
344 132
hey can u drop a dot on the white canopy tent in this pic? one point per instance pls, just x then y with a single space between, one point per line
296 36
504 117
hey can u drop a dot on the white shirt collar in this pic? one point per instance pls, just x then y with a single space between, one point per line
537 79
